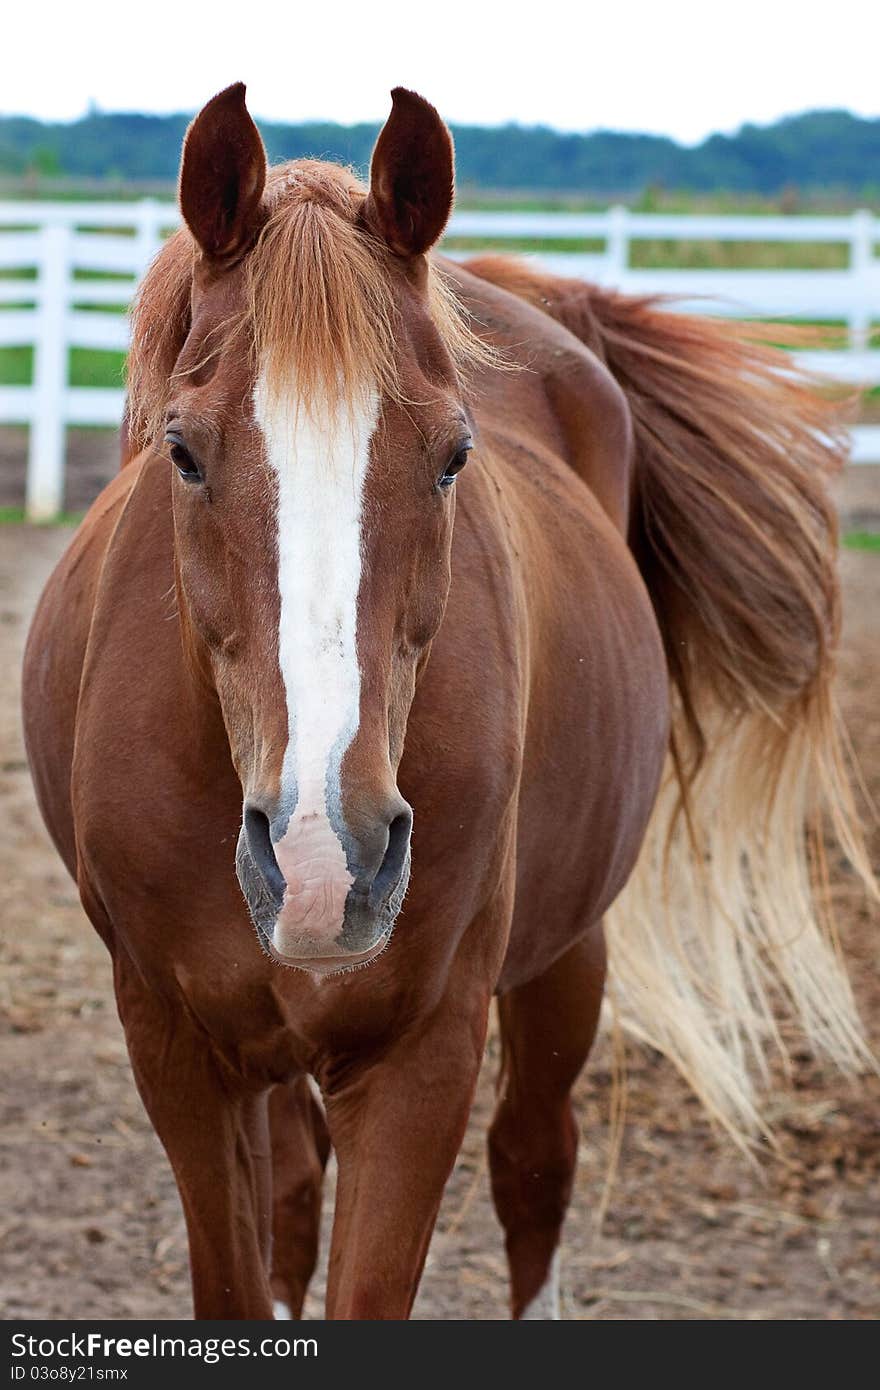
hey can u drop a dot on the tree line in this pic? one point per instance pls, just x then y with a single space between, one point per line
830 152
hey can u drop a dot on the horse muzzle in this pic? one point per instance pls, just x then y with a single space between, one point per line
320 900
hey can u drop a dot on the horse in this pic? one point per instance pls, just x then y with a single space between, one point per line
443 623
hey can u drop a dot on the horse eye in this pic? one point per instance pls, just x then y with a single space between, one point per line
454 467
182 460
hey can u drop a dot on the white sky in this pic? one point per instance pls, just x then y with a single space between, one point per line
674 67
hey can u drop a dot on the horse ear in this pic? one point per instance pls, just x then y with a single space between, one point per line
222 175
412 176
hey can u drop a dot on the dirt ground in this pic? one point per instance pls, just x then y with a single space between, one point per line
89 1219
92 457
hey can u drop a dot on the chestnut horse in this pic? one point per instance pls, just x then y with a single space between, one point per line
415 581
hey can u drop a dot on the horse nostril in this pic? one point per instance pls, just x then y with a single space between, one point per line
259 840
394 858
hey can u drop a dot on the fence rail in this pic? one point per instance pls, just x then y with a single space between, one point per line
66 267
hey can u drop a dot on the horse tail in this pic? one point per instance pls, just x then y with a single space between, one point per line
723 937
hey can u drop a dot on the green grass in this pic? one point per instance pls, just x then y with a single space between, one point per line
16 366
737 255
520 245
862 540
669 254
14 516
655 198
87 367
661 200
95 367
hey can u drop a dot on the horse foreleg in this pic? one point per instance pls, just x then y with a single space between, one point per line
300 1148
547 1029
397 1123
215 1134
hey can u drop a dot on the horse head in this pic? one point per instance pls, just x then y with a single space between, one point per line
309 401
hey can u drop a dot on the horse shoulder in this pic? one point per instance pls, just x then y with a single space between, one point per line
54 659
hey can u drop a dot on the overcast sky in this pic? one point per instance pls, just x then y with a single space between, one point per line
674 67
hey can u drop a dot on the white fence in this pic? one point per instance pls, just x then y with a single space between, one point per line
85 260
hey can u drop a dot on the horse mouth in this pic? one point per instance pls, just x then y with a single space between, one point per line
366 929
332 964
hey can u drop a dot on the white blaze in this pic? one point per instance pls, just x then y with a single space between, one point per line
320 459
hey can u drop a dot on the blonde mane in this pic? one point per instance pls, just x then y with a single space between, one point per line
319 308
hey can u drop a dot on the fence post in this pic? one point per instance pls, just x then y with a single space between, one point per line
617 245
45 476
861 260
149 224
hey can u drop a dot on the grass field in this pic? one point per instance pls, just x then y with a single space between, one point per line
667 254
88 367
862 540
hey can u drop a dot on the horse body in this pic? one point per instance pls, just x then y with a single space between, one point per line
542 583
527 671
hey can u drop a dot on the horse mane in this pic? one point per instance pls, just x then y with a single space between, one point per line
319 309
